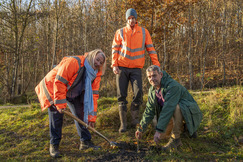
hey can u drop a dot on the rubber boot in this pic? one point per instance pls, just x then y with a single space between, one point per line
123 118
54 151
135 115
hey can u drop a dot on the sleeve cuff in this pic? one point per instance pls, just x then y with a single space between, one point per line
159 130
92 118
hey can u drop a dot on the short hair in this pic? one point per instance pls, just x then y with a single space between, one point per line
153 68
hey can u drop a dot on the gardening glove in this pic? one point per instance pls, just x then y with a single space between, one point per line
138 134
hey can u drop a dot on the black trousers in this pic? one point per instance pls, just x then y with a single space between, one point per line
134 75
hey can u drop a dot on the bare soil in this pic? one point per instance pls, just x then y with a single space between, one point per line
124 152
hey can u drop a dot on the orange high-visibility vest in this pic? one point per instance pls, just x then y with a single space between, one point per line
128 48
63 78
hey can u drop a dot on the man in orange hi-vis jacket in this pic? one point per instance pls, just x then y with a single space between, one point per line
74 81
128 57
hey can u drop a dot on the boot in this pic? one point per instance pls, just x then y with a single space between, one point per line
54 151
135 115
194 135
173 144
123 118
84 145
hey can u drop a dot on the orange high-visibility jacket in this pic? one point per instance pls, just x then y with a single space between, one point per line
63 78
128 48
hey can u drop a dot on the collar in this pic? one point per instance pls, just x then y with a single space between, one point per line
135 26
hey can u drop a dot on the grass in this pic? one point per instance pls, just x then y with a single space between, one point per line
24 132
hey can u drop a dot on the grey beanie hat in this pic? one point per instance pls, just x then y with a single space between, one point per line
131 12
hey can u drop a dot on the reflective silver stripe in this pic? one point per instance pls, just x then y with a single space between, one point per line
143 30
132 50
95 92
152 52
115 52
78 59
60 78
116 46
93 113
121 33
60 101
149 45
46 91
131 57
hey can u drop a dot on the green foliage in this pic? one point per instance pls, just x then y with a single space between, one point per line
108 118
32 97
106 103
24 132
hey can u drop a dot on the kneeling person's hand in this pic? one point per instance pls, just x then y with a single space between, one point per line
138 134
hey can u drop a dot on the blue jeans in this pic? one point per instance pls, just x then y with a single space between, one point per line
56 120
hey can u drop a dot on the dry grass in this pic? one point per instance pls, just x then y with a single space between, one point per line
24 133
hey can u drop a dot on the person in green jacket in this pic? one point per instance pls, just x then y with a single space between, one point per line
167 99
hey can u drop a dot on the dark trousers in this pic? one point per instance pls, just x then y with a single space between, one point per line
122 80
56 120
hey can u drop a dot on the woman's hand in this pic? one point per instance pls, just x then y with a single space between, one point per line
91 124
59 110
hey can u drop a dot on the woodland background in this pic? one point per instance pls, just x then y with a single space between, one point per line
199 42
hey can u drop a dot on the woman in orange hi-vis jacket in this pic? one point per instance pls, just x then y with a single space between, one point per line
74 81
128 57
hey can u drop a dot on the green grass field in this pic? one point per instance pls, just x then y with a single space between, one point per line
24 133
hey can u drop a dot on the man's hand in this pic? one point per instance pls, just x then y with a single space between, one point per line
138 134
157 137
116 70
91 124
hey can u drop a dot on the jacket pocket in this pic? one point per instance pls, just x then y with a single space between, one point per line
194 109
196 116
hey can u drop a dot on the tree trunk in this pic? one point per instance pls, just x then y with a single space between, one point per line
240 48
164 66
224 42
189 54
204 55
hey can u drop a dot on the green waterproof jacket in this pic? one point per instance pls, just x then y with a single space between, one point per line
173 93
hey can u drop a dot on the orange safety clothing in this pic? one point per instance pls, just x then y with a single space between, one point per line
128 48
63 78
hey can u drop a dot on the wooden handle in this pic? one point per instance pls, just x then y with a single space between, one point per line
85 124
78 120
